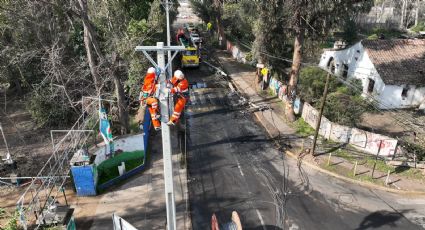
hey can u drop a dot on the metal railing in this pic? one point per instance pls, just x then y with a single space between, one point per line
44 189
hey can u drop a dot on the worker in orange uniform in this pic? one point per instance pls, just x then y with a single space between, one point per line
179 86
148 97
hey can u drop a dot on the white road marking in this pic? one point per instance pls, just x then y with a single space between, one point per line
261 219
239 167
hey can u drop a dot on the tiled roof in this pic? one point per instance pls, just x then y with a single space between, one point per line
398 62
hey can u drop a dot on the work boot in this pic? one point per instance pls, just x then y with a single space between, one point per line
170 123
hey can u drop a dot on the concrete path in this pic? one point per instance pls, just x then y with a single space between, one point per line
141 199
243 77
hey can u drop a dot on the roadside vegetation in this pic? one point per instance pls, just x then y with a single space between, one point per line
55 52
343 104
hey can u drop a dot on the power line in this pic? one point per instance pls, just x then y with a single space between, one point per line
375 101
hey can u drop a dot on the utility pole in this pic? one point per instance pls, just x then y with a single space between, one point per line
319 119
8 158
167 6
166 137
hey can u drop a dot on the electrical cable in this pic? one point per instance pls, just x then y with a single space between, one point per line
398 118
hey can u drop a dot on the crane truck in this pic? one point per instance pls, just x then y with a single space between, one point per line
189 56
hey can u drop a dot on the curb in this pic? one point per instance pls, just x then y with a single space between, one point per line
361 183
272 133
271 130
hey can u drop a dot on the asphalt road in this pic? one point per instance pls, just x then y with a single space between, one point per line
233 165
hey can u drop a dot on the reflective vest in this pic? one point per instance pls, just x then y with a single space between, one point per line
180 87
149 84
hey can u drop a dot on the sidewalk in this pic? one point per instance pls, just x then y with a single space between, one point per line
140 200
273 120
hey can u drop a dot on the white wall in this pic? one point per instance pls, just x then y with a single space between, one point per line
127 144
361 67
391 97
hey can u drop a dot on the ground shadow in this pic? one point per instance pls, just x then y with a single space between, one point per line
333 149
400 169
379 219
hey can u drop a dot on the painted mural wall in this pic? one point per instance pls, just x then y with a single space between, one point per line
368 142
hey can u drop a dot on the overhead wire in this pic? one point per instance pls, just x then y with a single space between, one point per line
398 118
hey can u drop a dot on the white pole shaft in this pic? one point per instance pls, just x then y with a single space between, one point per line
167 10
388 177
166 144
8 156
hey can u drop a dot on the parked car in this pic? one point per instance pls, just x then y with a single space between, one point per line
195 38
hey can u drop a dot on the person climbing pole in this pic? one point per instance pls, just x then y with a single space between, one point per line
178 86
148 98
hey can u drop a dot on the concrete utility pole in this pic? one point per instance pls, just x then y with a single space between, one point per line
167 6
8 158
166 137
319 119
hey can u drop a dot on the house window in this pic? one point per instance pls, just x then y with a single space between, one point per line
345 71
404 93
371 86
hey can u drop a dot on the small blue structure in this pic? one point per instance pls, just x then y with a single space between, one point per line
84 179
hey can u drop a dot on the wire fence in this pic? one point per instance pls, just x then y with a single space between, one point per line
42 193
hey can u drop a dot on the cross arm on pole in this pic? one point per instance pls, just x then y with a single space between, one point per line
172 58
150 58
156 48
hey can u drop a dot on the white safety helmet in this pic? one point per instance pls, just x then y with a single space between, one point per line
151 70
179 74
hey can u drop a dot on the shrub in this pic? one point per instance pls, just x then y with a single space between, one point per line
419 27
50 110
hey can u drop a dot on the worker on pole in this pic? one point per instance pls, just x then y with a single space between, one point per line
178 86
148 96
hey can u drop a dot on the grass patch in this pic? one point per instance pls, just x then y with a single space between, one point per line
381 166
419 27
108 169
349 173
412 173
376 32
302 128
266 93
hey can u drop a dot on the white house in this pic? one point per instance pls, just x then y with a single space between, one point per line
392 71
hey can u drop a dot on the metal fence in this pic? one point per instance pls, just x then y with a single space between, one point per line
35 203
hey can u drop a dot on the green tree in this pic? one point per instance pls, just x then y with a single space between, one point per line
314 20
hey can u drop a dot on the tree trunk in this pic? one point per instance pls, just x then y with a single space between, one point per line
417 12
89 41
403 14
295 69
119 90
18 87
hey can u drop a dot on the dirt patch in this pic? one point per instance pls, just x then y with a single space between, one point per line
400 123
29 146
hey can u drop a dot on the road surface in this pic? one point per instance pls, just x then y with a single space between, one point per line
233 165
